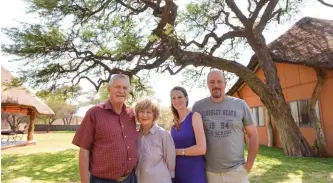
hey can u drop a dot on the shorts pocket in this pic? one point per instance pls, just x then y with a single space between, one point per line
242 169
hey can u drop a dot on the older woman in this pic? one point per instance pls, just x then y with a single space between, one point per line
156 150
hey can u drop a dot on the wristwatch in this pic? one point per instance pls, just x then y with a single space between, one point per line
183 152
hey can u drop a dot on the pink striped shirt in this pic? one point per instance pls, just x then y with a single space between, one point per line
157 156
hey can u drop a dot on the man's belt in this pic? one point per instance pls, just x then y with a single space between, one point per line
123 177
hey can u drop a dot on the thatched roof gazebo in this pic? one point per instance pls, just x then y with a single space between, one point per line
21 101
309 42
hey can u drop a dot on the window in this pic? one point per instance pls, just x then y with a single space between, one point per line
258 115
299 110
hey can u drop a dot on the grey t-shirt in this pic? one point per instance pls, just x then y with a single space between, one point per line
224 127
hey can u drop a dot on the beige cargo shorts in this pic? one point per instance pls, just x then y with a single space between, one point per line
238 175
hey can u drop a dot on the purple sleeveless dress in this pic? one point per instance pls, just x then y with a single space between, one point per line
189 169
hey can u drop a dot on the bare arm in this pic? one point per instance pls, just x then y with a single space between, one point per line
251 131
200 147
84 165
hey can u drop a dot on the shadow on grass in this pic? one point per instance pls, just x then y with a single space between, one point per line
52 167
273 166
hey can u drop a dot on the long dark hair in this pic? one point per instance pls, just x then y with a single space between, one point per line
176 120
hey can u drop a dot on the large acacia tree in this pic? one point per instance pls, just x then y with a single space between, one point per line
92 39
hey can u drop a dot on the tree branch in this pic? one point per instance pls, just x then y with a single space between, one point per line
257 10
326 4
219 40
316 123
171 72
204 42
232 5
226 21
249 7
228 35
96 86
102 7
159 61
266 16
201 59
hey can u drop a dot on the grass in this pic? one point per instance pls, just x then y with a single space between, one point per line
41 167
55 159
52 159
46 142
273 166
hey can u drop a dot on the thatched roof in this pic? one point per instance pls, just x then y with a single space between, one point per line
21 97
309 42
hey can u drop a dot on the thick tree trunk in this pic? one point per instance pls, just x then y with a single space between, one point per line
293 142
269 128
320 143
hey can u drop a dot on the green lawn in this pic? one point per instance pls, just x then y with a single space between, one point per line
272 166
54 159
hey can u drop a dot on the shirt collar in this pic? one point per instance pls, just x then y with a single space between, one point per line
108 106
152 130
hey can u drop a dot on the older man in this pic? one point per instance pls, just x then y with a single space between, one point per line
107 138
225 119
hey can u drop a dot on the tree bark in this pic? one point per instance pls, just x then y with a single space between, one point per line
293 142
269 128
320 143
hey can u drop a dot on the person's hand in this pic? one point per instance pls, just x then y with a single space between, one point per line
247 167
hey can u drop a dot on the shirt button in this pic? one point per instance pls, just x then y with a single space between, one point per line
129 158
125 136
127 171
127 147
122 126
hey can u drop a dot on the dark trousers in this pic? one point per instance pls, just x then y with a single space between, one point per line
130 179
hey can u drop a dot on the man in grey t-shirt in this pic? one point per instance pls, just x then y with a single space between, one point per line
225 119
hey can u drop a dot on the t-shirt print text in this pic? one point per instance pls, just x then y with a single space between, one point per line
219 129
217 112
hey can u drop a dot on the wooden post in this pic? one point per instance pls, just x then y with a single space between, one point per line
269 127
31 127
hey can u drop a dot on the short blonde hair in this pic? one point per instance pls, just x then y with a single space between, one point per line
145 104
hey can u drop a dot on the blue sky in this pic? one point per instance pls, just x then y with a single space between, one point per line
14 10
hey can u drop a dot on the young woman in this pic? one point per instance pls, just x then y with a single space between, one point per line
156 150
189 138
